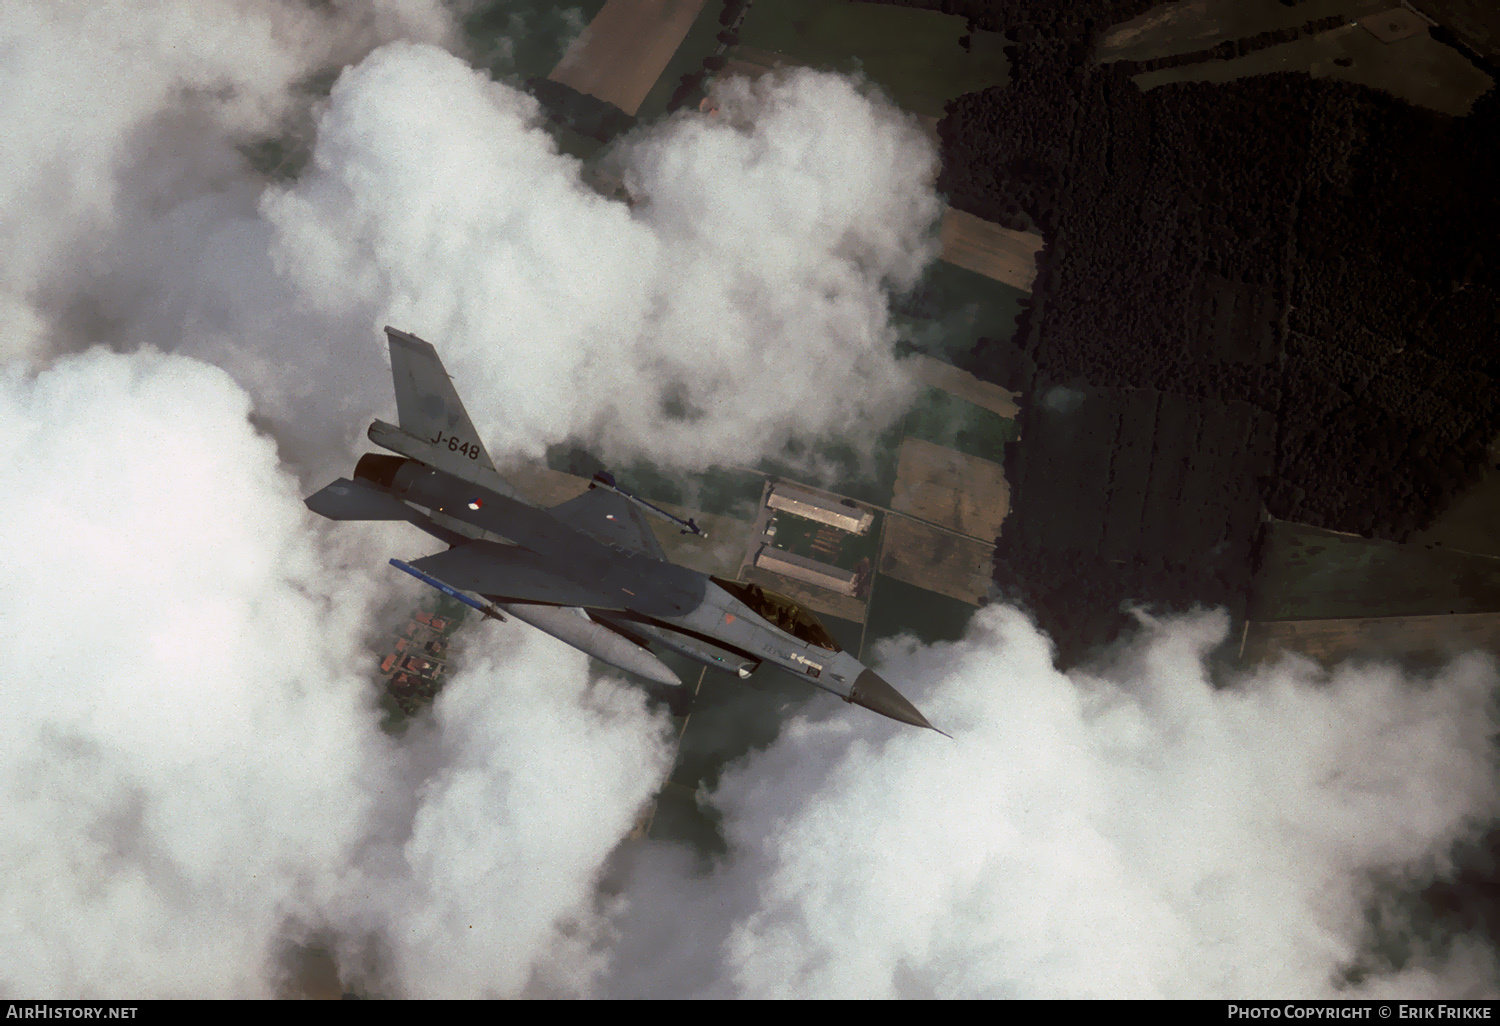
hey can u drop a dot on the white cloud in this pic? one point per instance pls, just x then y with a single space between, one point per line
185 743
86 86
128 211
190 772
535 777
745 291
1136 833
436 204
190 766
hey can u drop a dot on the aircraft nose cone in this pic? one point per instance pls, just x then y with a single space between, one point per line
872 692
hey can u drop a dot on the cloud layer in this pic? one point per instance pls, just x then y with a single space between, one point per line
1138 833
191 772
741 302
525 782
192 776
184 748
123 119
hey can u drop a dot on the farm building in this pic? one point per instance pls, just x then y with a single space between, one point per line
823 510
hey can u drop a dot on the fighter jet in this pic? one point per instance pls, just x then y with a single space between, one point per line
588 571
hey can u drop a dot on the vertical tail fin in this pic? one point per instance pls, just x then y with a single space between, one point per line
426 404
435 428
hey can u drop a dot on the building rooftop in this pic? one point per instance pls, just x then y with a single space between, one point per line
845 517
808 571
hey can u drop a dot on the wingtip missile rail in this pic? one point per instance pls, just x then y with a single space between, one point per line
487 608
607 480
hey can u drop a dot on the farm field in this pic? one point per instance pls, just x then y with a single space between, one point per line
1419 69
1003 254
720 491
1476 22
697 43
1472 523
1306 573
898 608
914 55
717 554
1330 641
950 489
946 420
1191 25
626 47
866 476
729 718
935 560
951 309
541 485
962 385
516 41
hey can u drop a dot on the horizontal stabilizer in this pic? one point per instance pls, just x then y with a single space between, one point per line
508 573
357 500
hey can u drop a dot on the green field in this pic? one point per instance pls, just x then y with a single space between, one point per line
944 419
900 608
696 45
951 309
514 42
679 818
1472 522
1206 23
731 717
1420 69
1307 573
869 476
733 493
719 491
574 145
914 55
796 535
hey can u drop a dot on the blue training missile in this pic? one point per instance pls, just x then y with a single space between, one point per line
487 608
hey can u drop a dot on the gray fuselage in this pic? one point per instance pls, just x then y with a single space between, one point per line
633 588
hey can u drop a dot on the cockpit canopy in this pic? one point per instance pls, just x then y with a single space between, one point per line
800 623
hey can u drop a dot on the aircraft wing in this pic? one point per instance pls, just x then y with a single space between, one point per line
611 518
508 573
